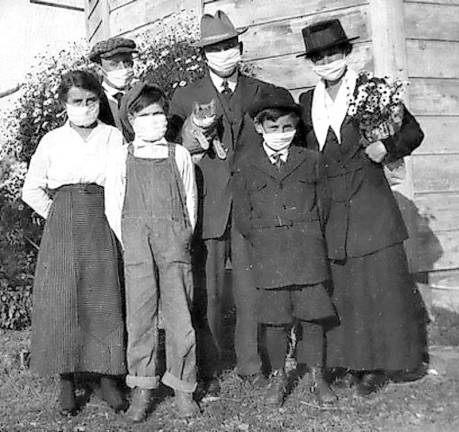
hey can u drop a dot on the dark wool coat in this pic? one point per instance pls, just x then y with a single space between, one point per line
213 174
109 114
364 215
282 212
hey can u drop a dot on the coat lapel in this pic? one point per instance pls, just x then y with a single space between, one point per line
260 161
244 94
296 156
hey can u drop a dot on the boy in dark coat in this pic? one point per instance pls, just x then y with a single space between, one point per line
280 200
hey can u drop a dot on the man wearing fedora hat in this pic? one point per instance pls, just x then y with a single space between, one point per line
233 93
115 59
373 292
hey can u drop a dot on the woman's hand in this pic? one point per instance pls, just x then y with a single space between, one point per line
376 151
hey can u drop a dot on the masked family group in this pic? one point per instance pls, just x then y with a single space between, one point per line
303 211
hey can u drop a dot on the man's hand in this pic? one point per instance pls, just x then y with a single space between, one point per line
376 151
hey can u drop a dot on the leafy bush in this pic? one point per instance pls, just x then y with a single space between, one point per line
165 58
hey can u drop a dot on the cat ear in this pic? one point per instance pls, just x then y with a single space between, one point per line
213 104
195 107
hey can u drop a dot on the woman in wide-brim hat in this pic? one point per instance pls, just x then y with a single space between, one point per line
375 296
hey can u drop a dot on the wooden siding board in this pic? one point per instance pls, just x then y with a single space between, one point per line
440 135
249 12
439 212
293 73
435 173
434 96
432 21
284 37
433 59
436 251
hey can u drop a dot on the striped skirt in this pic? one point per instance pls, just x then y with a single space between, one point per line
77 319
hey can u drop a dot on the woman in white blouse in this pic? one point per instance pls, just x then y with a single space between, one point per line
77 321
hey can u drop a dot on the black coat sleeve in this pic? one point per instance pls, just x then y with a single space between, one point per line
406 140
177 116
242 208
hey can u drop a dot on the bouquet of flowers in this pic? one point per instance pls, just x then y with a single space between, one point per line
376 105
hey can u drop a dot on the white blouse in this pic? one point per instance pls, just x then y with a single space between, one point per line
115 186
63 157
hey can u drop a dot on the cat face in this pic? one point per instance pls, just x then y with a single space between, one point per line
204 114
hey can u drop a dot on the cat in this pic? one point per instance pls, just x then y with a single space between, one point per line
200 130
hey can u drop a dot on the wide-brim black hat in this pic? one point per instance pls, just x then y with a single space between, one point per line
274 97
323 35
217 28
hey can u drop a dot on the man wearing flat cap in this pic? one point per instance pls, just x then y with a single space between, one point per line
114 56
233 92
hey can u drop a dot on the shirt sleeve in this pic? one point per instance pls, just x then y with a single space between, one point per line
115 182
186 170
34 191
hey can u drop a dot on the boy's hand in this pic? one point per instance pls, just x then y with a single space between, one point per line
376 151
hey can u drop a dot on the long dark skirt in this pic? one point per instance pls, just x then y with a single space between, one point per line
77 320
381 321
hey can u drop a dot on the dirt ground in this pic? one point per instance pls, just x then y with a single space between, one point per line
430 404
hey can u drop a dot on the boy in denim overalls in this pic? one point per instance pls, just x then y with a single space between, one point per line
151 206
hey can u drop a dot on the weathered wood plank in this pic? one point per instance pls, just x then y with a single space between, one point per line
439 212
293 73
433 59
248 12
114 4
434 96
436 173
432 21
440 135
139 13
436 251
94 23
434 2
284 37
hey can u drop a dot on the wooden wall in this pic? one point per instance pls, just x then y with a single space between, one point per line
414 39
432 46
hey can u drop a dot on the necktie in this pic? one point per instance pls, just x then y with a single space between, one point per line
118 96
277 161
226 92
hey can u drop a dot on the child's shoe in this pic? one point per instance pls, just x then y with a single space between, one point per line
320 388
111 394
275 391
185 405
140 403
67 400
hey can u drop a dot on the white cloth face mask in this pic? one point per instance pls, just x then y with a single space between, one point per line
83 115
150 128
224 62
331 71
279 141
120 78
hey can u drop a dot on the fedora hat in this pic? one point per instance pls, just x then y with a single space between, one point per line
217 28
273 97
323 35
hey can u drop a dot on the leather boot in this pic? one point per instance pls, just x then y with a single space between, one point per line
140 405
370 383
320 388
111 394
185 405
67 400
275 391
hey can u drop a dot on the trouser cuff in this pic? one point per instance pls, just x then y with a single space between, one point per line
142 382
177 384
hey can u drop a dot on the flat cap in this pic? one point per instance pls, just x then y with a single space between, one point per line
110 47
273 97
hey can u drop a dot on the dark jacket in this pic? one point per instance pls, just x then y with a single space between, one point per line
364 215
282 213
109 114
213 174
